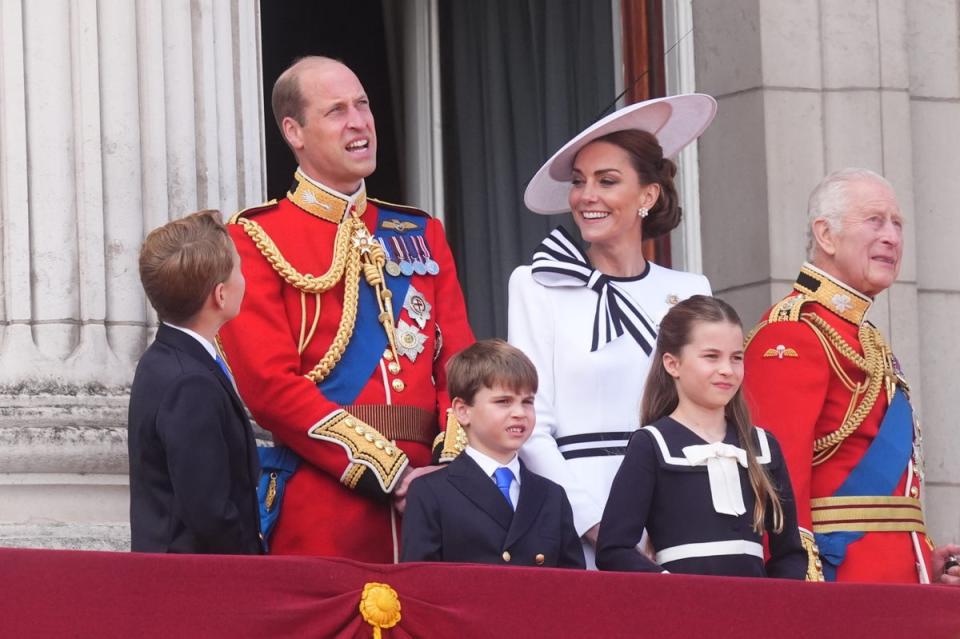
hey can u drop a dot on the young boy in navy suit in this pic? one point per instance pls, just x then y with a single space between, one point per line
193 457
485 506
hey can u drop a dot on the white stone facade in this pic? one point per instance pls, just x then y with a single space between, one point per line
809 87
116 116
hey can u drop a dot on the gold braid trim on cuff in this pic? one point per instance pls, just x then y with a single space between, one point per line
365 447
454 439
352 477
814 565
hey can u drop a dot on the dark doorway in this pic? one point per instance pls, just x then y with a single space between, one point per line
349 31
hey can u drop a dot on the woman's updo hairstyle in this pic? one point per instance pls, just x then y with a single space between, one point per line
647 159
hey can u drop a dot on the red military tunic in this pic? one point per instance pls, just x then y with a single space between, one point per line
800 380
338 500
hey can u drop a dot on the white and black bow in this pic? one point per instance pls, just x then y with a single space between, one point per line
558 261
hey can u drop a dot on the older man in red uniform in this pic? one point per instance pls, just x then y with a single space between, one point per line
824 381
352 310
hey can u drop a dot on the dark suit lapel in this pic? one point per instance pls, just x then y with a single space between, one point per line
191 347
533 492
467 477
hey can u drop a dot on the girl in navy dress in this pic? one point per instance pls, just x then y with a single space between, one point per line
702 480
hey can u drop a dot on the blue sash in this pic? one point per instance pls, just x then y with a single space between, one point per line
366 347
877 474
281 462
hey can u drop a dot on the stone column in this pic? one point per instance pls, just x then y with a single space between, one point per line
808 87
934 48
116 117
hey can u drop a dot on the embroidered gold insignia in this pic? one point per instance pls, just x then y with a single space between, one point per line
400 226
780 352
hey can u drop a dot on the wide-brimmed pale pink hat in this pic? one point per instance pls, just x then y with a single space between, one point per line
677 121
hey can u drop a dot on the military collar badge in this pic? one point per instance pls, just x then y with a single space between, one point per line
832 294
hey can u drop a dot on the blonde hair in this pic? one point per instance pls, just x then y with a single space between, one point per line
182 261
660 397
489 363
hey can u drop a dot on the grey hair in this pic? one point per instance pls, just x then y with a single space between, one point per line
829 200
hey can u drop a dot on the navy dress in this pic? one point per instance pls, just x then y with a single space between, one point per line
657 488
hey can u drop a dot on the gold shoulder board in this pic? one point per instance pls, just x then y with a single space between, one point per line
253 210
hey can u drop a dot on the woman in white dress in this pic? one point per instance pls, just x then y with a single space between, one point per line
588 318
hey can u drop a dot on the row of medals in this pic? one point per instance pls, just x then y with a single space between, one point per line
406 256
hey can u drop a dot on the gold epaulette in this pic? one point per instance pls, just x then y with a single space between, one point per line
250 211
788 309
403 208
453 439
367 449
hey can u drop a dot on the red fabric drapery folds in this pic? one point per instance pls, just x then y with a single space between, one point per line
94 594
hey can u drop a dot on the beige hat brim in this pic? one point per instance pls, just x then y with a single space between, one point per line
676 121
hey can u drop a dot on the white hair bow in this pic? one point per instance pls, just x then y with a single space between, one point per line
721 461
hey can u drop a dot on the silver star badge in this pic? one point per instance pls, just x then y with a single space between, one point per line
410 341
418 308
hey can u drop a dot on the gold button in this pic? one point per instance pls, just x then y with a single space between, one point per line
359 429
539 559
398 385
914 491
388 355
393 367
379 444
368 437
389 451
506 555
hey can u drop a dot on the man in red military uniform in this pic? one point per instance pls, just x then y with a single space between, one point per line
353 308
824 381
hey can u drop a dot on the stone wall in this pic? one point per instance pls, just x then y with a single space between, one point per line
116 117
808 87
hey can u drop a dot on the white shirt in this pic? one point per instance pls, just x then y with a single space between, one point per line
489 465
207 345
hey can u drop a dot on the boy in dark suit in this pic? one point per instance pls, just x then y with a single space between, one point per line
193 457
485 506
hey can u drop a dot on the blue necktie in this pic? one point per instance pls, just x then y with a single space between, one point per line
223 366
504 477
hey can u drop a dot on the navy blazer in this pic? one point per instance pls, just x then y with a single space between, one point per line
458 514
193 456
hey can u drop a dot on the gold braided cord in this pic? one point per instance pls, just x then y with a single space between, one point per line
304 282
348 319
316 320
873 363
301 344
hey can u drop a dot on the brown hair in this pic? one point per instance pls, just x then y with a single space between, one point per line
646 156
660 395
182 261
489 363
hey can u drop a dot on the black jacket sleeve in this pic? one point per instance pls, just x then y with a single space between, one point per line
628 508
421 537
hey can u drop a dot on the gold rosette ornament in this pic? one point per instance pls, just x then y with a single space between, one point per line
380 607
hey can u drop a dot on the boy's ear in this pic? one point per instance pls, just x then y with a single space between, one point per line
671 364
219 296
461 410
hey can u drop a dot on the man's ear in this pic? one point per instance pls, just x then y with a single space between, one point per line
292 132
671 363
824 236
461 410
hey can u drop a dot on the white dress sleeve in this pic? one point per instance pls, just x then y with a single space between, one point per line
531 328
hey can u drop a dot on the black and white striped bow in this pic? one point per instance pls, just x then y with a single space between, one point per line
558 261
